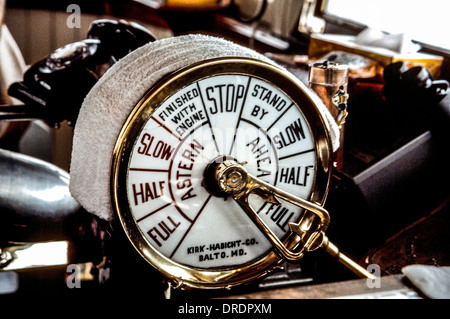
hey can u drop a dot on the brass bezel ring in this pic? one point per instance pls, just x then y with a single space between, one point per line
183 276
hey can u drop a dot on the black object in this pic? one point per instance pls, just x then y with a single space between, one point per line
118 38
419 102
372 203
53 89
384 187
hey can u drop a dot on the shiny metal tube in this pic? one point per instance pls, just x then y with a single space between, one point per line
33 189
326 79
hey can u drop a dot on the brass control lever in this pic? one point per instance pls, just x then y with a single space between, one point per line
234 180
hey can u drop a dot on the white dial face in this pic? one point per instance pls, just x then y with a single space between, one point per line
242 116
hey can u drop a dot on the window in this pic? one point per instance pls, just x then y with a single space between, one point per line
427 21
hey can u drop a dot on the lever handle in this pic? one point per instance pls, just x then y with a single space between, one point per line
233 179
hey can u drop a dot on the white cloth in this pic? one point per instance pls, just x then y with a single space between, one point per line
108 104
12 64
433 281
12 67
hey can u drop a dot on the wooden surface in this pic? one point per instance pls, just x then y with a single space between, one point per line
390 287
